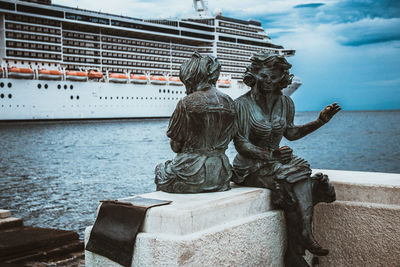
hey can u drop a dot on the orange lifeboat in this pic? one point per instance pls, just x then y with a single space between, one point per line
224 83
175 81
78 76
1 72
158 80
20 73
49 74
138 79
94 74
117 78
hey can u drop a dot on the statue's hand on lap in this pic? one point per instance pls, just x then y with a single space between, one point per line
328 112
283 154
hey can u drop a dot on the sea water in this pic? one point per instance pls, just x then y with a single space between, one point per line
53 174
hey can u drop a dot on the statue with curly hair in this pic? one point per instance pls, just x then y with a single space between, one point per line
200 130
264 116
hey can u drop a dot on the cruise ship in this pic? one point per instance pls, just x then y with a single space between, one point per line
59 62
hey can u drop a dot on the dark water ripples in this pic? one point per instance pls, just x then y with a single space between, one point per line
54 174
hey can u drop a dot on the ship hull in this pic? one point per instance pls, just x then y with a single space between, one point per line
22 99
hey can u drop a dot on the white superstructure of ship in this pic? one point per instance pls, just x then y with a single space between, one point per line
60 62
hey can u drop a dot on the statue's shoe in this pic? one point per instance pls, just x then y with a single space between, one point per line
316 249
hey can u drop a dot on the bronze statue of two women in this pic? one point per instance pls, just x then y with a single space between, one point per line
205 121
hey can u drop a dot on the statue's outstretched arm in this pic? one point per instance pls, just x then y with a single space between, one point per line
294 132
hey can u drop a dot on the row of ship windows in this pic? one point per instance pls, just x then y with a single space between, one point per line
240 70
28 54
13 44
145 50
121 70
33 20
234 52
125 48
4 96
59 86
239 33
2 85
236 26
82 106
30 28
36 63
81 44
81 52
148 58
138 98
83 36
144 43
234 64
235 58
46 47
237 46
33 37
140 64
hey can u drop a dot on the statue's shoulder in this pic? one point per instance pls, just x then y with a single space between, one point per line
226 100
287 100
194 101
244 99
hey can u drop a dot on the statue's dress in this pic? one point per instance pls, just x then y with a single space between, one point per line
259 130
204 124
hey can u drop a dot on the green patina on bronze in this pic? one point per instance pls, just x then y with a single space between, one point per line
200 130
264 116
205 121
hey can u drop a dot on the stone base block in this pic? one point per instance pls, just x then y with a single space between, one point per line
255 241
233 228
362 228
4 214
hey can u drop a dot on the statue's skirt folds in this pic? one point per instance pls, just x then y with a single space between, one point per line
195 172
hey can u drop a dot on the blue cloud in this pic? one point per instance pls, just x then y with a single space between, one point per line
369 31
313 5
351 11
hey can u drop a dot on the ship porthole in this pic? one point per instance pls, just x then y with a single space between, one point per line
39 86
2 96
71 87
77 97
1 85
72 97
9 85
59 86
10 96
46 86
65 86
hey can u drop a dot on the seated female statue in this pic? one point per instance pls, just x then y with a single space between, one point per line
264 117
200 130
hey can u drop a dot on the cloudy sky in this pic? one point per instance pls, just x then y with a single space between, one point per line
347 51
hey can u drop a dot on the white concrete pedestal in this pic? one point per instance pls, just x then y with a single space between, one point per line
232 228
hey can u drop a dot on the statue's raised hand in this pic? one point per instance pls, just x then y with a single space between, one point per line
328 112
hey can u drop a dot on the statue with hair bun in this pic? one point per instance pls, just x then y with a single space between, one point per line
265 115
200 130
